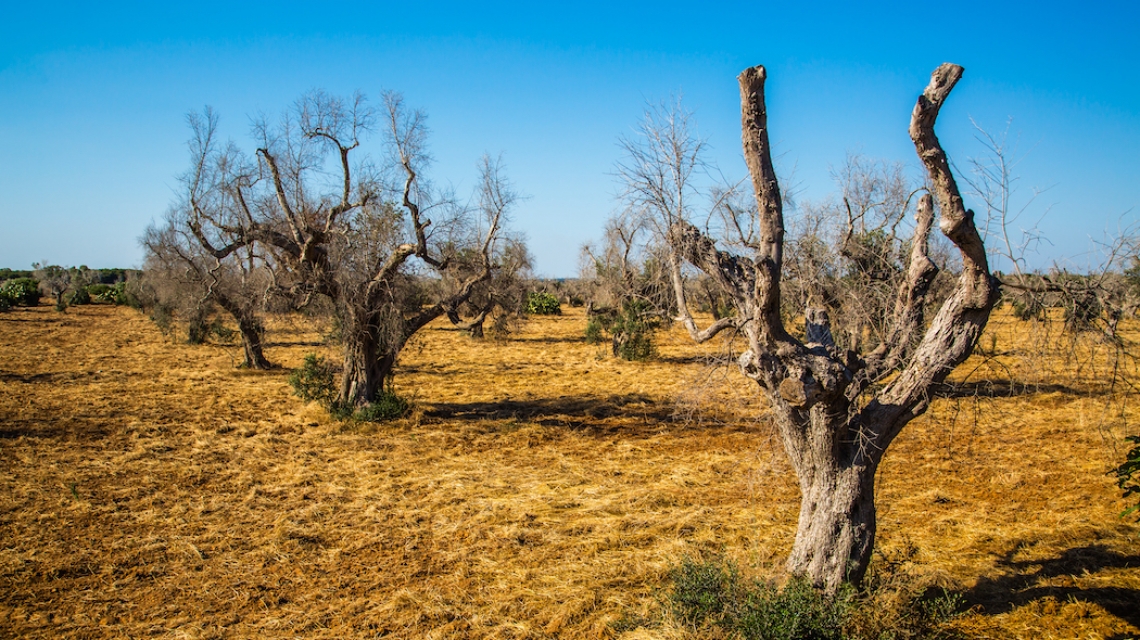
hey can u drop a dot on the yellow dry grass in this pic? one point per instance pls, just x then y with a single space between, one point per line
541 490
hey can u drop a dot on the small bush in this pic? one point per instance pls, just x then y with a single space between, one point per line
713 594
539 303
702 591
101 293
79 296
387 406
127 294
633 331
315 381
594 331
1128 476
21 292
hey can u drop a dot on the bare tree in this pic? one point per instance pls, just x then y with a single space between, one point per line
185 276
629 276
356 231
200 257
837 411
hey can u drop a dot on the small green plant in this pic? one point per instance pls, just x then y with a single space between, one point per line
540 303
315 381
712 594
702 591
594 331
21 292
386 406
633 330
1128 476
101 293
79 297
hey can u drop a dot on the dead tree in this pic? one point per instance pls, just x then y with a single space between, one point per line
200 256
356 231
837 411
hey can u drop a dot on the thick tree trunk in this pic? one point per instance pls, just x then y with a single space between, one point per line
836 532
368 364
252 333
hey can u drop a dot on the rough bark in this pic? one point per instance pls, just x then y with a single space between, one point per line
251 342
834 431
368 366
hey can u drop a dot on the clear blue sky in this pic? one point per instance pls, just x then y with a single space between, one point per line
93 99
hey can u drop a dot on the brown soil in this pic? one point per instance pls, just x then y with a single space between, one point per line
541 489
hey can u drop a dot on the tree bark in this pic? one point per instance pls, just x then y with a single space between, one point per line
252 333
834 426
368 364
836 531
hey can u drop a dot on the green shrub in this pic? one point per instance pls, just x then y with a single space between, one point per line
79 296
5 304
125 293
22 292
594 331
315 381
539 303
1128 476
100 292
387 406
702 591
633 331
712 594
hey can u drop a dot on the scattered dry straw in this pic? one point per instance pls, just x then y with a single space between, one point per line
541 490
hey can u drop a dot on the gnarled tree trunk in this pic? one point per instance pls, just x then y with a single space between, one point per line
837 412
252 332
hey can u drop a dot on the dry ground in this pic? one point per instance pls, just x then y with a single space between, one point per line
542 489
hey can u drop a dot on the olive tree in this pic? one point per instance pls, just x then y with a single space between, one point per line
836 410
199 258
370 234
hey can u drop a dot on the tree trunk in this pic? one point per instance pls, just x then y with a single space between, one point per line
836 531
252 333
838 412
368 365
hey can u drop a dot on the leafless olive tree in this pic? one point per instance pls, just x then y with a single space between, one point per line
372 235
199 257
837 411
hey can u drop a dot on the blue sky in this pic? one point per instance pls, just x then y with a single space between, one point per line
93 100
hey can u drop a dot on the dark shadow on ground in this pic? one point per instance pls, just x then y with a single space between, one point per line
550 339
77 428
1021 585
571 411
999 389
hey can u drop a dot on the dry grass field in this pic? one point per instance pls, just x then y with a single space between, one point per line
540 490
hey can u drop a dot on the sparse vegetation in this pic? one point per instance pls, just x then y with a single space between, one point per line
315 381
20 292
712 593
1128 476
541 303
532 496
